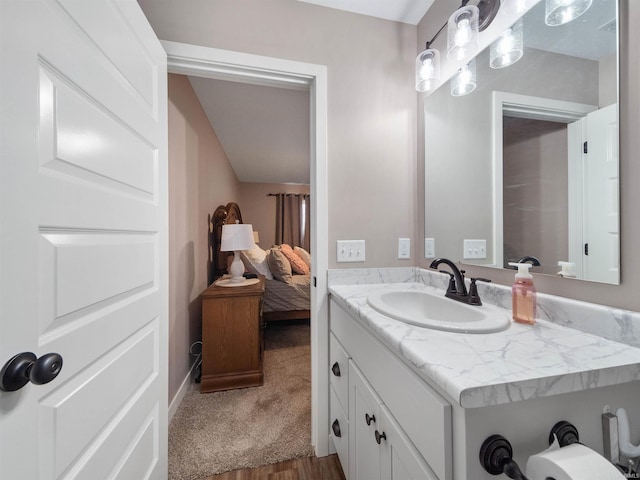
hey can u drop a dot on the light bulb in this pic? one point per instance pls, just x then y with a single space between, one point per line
464 81
508 48
465 74
505 42
427 70
463 33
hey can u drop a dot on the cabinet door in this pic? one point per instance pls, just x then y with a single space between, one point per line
364 413
399 459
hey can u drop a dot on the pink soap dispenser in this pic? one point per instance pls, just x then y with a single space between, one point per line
524 295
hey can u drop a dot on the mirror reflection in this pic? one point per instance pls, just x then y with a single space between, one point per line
526 166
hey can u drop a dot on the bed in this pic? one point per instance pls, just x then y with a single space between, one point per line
286 297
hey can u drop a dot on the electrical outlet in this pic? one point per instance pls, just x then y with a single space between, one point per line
474 249
350 251
429 248
404 248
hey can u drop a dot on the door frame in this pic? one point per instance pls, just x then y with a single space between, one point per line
195 60
537 108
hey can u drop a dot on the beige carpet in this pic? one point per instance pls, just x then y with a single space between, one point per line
217 432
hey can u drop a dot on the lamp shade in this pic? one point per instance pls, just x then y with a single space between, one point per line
559 12
427 69
462 33
508 48
236 236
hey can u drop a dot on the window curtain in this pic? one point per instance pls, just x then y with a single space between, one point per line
293 213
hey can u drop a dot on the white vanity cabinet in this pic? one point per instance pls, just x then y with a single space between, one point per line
364 415
392 425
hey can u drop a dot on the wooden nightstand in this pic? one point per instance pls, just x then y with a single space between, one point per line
232 337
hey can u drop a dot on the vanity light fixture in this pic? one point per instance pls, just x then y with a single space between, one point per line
464 25
462 32
507 49
427 69
464 81
559 12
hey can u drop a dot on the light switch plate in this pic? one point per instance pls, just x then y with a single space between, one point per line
404 248
429 248
350 251
474 249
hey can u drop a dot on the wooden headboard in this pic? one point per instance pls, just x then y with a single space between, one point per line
217 264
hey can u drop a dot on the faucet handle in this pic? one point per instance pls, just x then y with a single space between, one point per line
451 288
474 297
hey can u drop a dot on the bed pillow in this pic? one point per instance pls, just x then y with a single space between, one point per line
279 265
297 264
303 254
255 261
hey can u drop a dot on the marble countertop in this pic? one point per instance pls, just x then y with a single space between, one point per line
477 370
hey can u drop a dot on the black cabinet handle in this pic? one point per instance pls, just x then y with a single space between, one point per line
335 426
380 436
335 368
369 418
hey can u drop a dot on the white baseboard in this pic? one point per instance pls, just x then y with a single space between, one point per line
182 391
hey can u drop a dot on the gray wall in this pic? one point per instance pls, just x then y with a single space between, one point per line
623 295
535 173
371 101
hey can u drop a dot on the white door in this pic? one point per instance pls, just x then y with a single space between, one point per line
83 239
601 196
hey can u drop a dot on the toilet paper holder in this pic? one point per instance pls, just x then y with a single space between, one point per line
496 457
496 453
617 441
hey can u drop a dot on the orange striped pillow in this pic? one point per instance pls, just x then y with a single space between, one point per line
297 264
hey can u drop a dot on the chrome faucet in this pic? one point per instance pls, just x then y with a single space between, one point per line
457 290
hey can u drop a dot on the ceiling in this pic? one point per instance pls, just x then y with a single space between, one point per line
264 131
406 11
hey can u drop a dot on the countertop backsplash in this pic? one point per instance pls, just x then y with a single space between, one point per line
611 323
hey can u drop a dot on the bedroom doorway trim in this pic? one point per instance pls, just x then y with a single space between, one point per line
241 67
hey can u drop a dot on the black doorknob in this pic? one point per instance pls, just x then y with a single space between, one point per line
25 367
336 369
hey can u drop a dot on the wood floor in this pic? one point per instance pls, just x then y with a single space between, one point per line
308 468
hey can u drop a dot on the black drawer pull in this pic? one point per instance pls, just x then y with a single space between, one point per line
380 436
369 418
336 369
335 426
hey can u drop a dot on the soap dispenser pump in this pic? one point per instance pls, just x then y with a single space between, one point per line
524 295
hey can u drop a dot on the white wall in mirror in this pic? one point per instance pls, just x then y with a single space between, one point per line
461 152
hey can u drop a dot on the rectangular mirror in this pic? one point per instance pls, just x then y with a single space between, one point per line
526 165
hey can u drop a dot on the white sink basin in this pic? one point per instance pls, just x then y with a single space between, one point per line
425 309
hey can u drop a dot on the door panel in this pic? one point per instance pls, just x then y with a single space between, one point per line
364 452
602 196
83 217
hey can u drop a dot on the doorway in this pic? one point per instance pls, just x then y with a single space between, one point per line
268 71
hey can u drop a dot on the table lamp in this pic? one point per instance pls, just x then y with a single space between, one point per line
236 237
